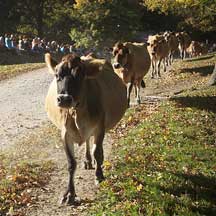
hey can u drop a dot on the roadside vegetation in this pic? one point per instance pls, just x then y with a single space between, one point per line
166 164
24 168
13 63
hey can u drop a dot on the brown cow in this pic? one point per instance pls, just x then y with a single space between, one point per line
184 42
85 99
172 42
196 49
131 63
158 50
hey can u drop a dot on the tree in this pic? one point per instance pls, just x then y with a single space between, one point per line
104 21
198 14
8 16
42 15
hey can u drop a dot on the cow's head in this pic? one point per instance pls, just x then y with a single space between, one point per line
69 74
180 37
153 47
120 54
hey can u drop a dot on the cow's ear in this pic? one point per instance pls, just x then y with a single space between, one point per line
50 62
92 70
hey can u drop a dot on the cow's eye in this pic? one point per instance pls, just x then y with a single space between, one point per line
115 53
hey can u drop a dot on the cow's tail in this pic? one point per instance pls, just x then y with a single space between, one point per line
143 84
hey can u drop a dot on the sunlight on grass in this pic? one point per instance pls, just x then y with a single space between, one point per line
7 71
166 165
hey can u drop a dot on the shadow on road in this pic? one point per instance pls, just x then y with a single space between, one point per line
200 102
203 71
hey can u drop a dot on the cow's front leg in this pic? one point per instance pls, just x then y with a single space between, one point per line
69 195
99 156
153 69
88 158
158 68
164 63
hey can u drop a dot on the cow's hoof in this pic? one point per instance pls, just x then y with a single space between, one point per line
99 180
138 101
88 165
128 106
68 199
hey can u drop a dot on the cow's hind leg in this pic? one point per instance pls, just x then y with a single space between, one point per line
129 89
69 195
88 158
137 91
158 68
99 156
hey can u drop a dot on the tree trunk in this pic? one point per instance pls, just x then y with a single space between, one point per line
212 80
39 18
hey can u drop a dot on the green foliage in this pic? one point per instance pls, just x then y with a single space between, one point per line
97 22
200 14
104 21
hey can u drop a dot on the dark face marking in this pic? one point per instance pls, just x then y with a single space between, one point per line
69 78
120 54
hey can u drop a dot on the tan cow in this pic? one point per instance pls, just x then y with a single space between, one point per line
184 42
173 43
159 51
86 98
196 49
204 49
131 62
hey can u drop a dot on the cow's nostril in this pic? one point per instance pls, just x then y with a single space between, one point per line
59 100
116 65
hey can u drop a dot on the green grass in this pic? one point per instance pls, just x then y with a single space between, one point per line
8 71
13 63
167 164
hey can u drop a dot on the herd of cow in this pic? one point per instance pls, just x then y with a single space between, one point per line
88 96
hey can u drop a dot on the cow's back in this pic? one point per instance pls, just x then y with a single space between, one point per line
140 58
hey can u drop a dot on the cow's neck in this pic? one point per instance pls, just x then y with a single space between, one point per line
128 65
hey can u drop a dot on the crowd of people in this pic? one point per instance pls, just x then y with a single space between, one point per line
37 45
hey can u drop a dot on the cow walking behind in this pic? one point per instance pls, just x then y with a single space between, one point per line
159 51
172 42
86 98
184 42
131 63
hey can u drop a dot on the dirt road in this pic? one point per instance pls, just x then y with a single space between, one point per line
22 105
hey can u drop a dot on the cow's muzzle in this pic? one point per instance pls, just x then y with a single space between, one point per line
64 100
